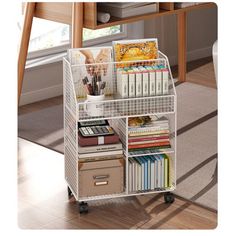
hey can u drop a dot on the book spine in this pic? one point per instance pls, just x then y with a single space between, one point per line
145 84
131 85
138 84
158 82
152 83
146 145
134 140
150 148
146 129
165 84
100 148
122 83
100 154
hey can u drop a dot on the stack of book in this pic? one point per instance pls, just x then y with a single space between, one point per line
149 172
128 9
99 147
148 134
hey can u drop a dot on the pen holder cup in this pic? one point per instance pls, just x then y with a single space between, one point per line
93 105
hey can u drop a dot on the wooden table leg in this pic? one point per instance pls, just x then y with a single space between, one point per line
25 37
77 25
182 46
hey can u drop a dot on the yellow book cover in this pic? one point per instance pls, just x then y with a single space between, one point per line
134 50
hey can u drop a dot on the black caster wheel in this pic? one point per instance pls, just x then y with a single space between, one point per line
70 194
169 197
83 207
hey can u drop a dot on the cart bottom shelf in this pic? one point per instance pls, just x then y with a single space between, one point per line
125 194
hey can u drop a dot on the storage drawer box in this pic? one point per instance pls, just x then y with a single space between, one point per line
101 177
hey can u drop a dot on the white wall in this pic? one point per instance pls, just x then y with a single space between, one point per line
45 81
201 33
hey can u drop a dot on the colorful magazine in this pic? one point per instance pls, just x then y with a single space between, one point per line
133 50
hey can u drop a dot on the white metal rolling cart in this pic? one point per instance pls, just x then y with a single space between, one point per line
117 111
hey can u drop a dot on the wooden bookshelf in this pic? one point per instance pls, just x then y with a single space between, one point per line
62 12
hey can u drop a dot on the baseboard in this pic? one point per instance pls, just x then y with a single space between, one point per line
41 94
192 55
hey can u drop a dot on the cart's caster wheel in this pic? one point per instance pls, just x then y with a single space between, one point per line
169 197
70 194
83 207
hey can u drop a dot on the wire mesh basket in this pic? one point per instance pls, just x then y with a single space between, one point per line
131 88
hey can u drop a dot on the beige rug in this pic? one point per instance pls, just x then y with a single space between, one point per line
196 143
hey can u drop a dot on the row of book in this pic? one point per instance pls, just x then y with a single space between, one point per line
142 81
148 133
149 172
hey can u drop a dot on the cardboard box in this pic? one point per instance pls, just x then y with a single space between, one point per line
101 177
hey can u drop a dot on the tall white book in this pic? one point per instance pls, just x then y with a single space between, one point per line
165 81
122 83
158 81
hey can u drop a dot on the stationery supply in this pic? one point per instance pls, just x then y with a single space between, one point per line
149 172
96 131
96 87
92 70
148 134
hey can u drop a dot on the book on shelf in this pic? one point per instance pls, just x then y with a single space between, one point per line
148 138
100 158
101 154
149 172
147 121
98 140
123 5
129 10
149 145
100 148
148 133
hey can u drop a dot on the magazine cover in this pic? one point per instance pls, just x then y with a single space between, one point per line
86 59
133 50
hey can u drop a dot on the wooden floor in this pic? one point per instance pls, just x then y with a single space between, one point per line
42 192
43 201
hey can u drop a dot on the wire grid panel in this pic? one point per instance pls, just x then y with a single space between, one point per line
119 125
70 130
69 89
121 108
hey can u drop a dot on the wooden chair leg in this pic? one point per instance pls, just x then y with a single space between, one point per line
77 25
25 37
181 46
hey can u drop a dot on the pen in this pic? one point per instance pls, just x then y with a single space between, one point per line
103 85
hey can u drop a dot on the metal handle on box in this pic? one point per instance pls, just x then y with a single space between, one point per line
101 176
100 183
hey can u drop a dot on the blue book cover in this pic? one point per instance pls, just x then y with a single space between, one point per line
145 173
152 172
148 174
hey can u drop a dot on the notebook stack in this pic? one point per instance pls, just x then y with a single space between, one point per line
148 134
149 172
98 142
